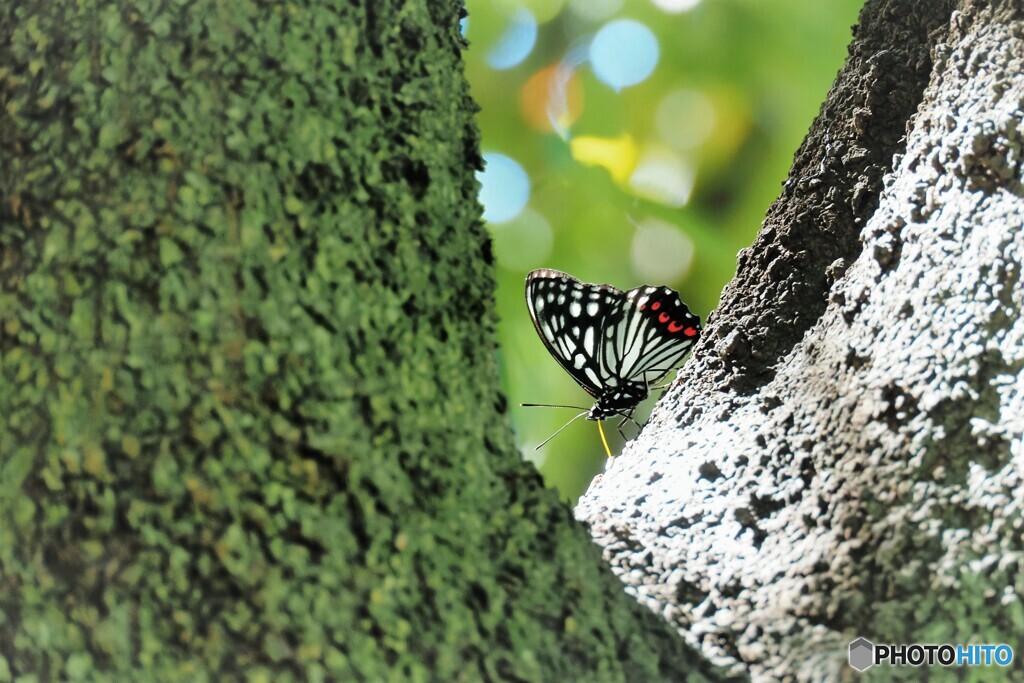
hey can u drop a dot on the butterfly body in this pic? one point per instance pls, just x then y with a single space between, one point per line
615 344
618 401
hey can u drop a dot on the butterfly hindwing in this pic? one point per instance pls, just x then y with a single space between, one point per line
656 333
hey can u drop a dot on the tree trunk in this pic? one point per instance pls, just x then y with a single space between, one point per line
251 419
843 455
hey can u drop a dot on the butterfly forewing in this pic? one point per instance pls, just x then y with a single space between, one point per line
607 339
569 316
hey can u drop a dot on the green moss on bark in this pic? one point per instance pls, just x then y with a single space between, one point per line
251 423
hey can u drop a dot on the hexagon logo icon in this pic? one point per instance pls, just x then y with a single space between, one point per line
862 654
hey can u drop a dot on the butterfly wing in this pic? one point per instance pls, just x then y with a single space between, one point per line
648 335
607 339
570 317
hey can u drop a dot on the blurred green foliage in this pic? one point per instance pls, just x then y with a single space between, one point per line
715 126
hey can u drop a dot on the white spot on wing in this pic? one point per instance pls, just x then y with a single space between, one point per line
575 309
588 341
592 308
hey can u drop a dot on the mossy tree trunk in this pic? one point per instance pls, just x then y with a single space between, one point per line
251 423
844 455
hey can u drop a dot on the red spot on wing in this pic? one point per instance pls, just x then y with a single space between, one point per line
663 318
690 332
655 306
643 307
674 326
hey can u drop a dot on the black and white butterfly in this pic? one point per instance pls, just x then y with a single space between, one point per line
615 344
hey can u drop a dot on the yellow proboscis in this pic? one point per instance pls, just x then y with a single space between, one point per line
600 428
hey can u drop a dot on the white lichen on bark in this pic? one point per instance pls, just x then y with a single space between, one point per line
875 485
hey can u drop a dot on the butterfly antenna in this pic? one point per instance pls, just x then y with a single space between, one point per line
600 428
549 405
560 428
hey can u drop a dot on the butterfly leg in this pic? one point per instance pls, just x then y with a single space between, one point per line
627 418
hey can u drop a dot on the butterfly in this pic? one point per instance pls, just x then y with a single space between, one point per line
615 344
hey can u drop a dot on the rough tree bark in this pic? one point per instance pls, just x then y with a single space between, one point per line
251 424
843 455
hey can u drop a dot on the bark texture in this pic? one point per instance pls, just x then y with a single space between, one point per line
251 424
843 455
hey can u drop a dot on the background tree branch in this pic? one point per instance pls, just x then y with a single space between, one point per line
843 454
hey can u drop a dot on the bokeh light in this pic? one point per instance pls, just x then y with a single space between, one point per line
516 43
624 53
685 119
618 155
504 188
663 176
676 6
661 252
552 99
595 10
